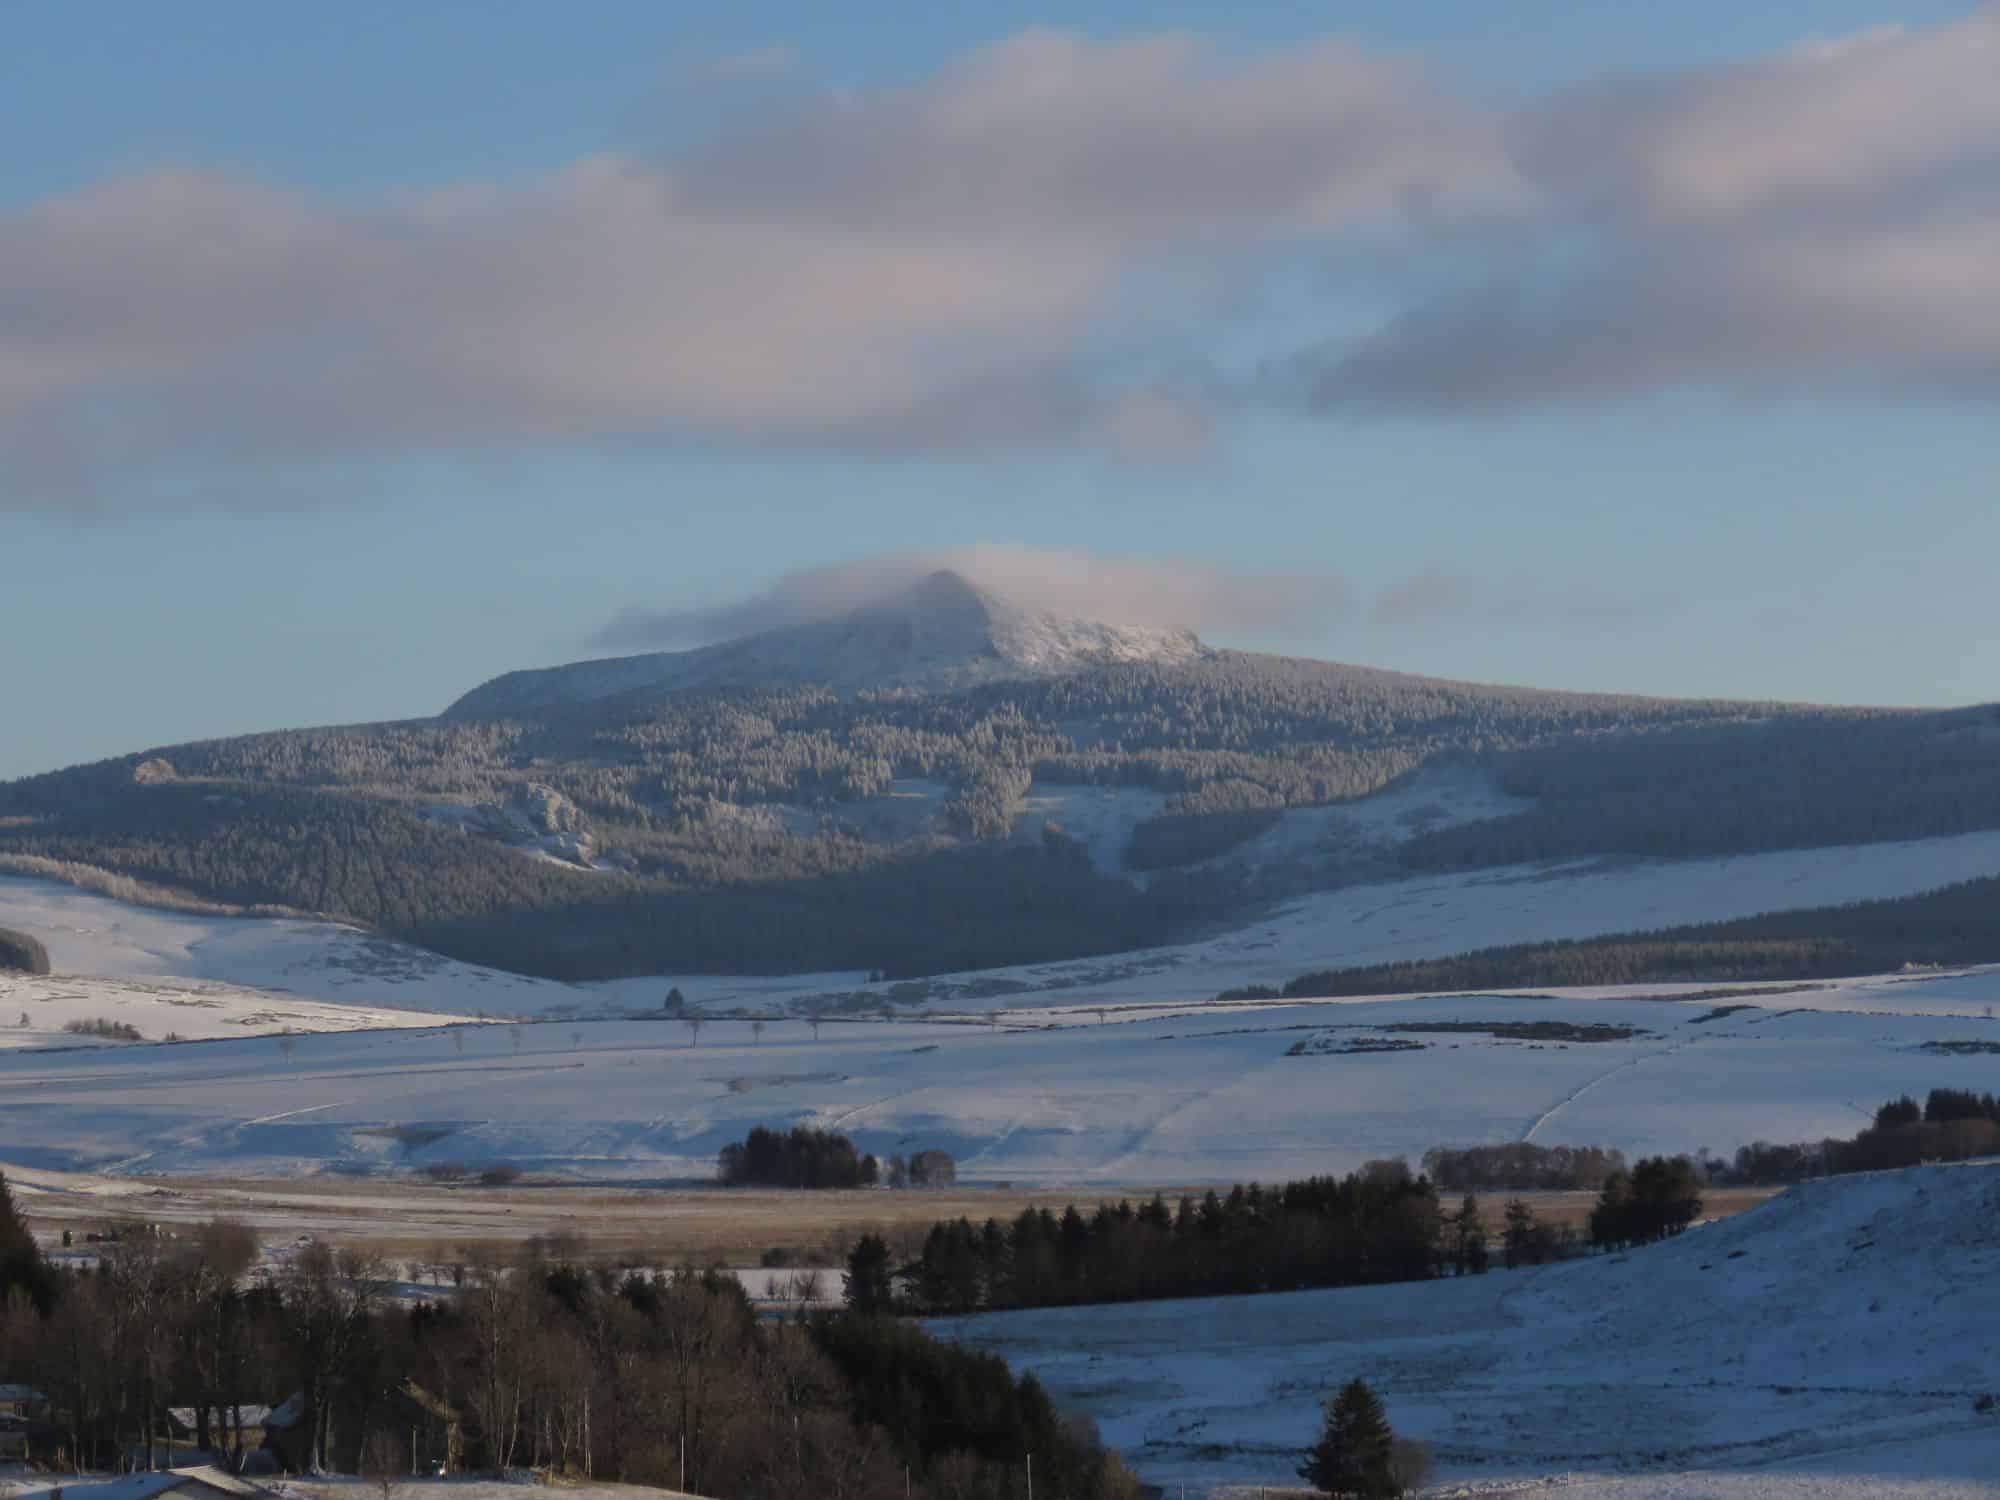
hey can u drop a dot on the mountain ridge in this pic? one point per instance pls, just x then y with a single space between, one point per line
940 633
1017 787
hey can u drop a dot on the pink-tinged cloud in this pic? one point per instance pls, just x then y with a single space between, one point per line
924 267
1829 214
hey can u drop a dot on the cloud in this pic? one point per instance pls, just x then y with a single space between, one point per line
1157 592
972 262
1831 213
924 267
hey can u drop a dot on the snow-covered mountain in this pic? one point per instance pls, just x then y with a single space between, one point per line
941 632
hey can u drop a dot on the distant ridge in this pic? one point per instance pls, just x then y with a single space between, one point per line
941 632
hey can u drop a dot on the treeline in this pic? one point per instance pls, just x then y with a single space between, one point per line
538 1361
1950 1125
802 1158
1380 1224
1521 1166
1959 924
22 953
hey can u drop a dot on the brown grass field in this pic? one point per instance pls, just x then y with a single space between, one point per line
655 1226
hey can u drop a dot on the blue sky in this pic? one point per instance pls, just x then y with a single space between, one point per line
348 356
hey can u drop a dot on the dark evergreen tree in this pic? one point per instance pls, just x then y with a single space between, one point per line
1468 1238
21 1262
870 1287
1611 1218
1903 1111
1520 1233
1354 1454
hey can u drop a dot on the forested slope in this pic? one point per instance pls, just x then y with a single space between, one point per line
1958 924
732 829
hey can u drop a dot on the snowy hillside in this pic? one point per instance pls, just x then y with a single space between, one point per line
942 632
1163 1095
1830 1343
1423 917
37 1010
94 937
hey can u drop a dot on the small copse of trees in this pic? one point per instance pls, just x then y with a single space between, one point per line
800 1158
99 1026
922 1169
1658 1197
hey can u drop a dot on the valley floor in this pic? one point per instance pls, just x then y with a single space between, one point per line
1147 1095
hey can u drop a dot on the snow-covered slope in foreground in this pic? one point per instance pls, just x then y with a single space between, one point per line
1146 1095
1830 1343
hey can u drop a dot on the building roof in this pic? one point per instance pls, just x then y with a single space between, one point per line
201 1483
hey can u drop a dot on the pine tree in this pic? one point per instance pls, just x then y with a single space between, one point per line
1611 1219
1355 1447
1520 1233
21 1262
1469 1238
869 1286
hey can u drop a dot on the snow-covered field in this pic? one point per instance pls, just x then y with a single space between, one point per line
1100 1072
1829 1343
34 1010
1171 1094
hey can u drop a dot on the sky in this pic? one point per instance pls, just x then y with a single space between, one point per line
350 355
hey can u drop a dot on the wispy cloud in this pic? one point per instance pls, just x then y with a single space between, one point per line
1072 582
921 267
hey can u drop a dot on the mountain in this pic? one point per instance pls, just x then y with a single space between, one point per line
942 779
942 632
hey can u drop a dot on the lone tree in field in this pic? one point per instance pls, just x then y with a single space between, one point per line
1355 1452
